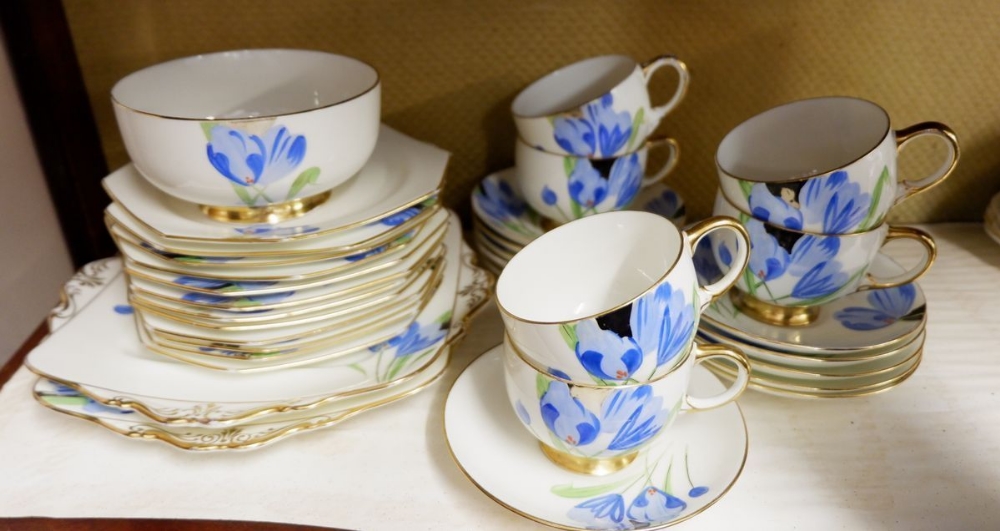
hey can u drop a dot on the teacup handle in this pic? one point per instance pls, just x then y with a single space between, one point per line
694 234
899 233
707 352
673 153
657 113
903 136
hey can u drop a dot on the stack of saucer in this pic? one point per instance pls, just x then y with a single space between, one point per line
503 223
255 318
584 146
819 310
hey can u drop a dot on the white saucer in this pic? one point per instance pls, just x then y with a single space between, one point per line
499 205
401 172
860 321
696 462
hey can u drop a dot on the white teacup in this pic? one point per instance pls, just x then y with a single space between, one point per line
792 273
251 135
598 430
598 107
823 165
611 299
563 187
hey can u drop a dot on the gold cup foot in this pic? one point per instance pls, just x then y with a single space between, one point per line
766 312
273 213
588 465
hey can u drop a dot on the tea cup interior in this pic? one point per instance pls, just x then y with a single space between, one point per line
572 86
588 267
245 84
802 139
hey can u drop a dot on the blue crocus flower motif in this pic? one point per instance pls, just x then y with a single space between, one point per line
834 202
397 219
604 353
247 159
662 322
124 309
600 132
586 186
417 338
823 279
654 505
522 413
559 374
499 200
264 229
765 206
705 265
566 416
768 260
217 284
633 415
625 179
667 204
602 512
696 492
887 306
371 252
93 406
549 197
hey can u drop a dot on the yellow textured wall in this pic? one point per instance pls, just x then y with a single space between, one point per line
451 68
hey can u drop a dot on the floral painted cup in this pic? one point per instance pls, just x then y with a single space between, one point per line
824 165
598 430
563 187
611 299
598 107
792 273
251 135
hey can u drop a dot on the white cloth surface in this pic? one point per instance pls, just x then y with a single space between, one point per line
925 455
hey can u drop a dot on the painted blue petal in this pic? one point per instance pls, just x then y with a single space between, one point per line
548 196
397 219
604 353
522 413
824 279
810 251
634 415
653 505
199 282
662 323
602 512
574 135
834 202
625 179
124 309
559 374
766 207
768 260
586 186
666 204
863 319
498 200
895 302
613 128
566 417
697 492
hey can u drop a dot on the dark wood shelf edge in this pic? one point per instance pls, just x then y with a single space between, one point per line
15 362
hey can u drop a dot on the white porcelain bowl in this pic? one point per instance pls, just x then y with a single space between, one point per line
249 128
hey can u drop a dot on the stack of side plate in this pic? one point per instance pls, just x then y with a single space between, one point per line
861 344
503 223
94 367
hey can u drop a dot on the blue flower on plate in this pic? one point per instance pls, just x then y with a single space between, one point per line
247 159
93 406
813 260
600 132
667 204
696 492
653 505
365 254
834 202
417 338
822 280
634 415
566 417
397 219
887 306
221 285
124 309
780 211
662 322
768 259
604 353
602 512
625 179
499 200
548 196
586 185
263 229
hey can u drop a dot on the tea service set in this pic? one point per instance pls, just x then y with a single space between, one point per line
285 265
284 261
625 347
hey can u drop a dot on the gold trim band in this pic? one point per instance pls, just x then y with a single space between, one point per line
593 466
773 314
273 213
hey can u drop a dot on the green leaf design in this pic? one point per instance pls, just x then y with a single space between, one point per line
747 188
58 400
568 333
396 366
358 368
190 259
541 385
576 209
445 318
744 218
243 194
748 278
245 303
870 220
206 127
568 164
636 124
307 177
569 491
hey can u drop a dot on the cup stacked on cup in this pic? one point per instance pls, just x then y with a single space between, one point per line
600 317
583 147
812 182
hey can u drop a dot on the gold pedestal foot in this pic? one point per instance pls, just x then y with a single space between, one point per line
273 213
588 465
766 312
